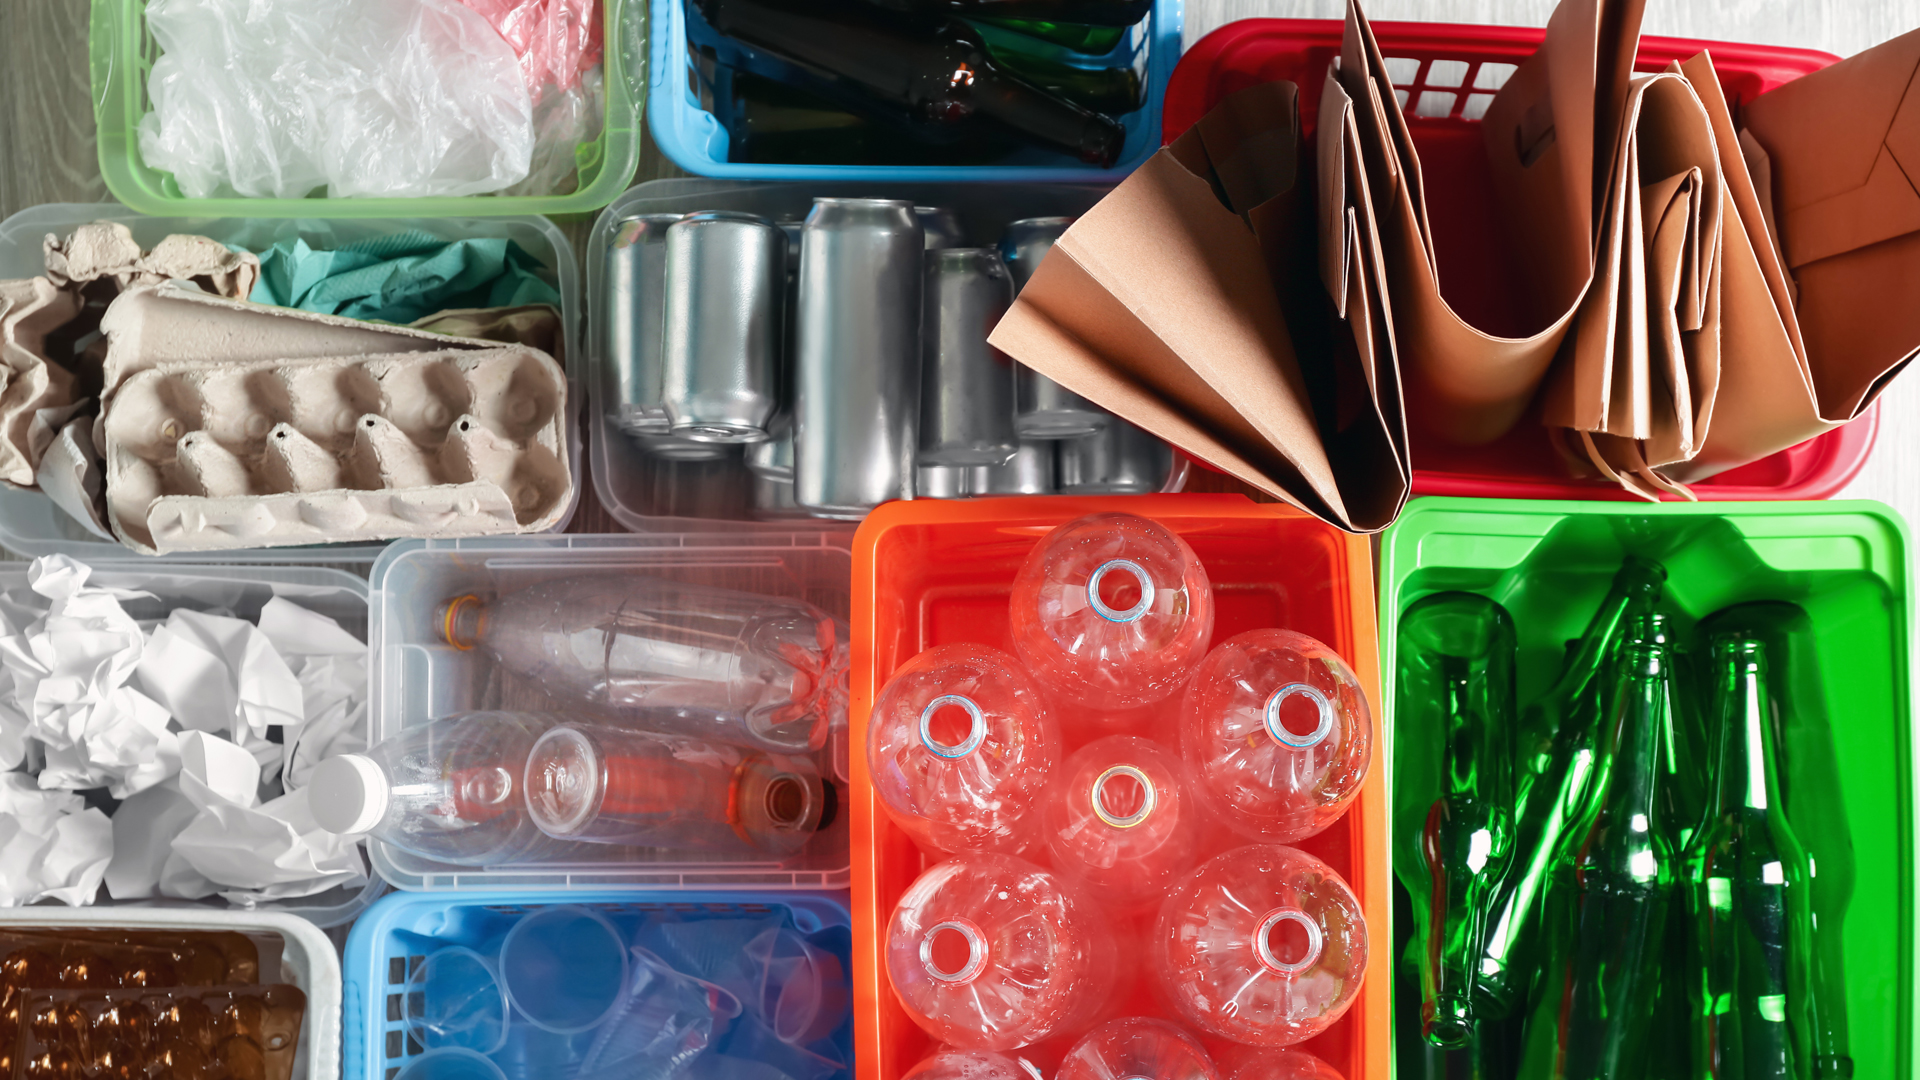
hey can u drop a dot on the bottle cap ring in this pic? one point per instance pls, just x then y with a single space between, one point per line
1112 614
1279 730
1263 944
976 735
1149 797
976 951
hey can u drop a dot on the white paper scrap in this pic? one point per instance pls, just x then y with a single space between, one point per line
51 845
143 831
270 852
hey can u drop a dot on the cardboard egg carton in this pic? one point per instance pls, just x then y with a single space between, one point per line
230 425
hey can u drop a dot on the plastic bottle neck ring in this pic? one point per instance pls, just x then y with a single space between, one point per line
1263 943
1149 798
1140 607
976 734
1279 730
976 952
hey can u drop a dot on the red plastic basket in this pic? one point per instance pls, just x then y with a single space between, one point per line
936 571
1445 75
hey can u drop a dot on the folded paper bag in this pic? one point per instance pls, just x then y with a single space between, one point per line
1843 144
1162 305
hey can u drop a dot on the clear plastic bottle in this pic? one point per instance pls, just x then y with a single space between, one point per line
449 790
1137 1048
1264 945
960 746
990 952
612 786
709 663
947 1063
1112 611
1120 818
1277 734
1286 1065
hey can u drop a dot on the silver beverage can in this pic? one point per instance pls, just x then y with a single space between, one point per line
726 292
675 448
773 458
940 482
1043 409
636 297
941 227
966 385
857 363
773 500
1121 460
1028 472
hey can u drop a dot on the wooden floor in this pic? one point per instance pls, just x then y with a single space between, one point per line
47 148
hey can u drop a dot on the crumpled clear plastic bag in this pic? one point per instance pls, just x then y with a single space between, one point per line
274 98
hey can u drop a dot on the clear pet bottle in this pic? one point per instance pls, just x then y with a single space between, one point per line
990 952
947 1063
1120 818
1112 611
1277 734
1289 1064
449 790
959 747
758 671
612 786
1263 945
1137 1048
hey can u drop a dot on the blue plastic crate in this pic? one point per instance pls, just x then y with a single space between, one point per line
697 141
401 929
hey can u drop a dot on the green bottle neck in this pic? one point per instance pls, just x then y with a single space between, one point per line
1629 842
1635 588
1747 781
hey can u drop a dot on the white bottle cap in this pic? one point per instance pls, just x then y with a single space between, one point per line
348 794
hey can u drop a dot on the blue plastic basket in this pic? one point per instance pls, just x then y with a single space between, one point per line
400 930
697 141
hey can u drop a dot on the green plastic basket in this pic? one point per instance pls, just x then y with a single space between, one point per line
121 53
1846 563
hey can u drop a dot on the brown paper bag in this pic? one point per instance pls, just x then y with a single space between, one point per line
1843 144
1176 302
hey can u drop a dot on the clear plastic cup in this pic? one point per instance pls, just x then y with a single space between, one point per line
666 1018
455 1000
565 968
803 990
451 1063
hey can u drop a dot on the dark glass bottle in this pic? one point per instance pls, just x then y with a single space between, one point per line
1812 798
935 70
1080 37
1088 12
1620 879
778 123
1749 893
1456 676
1561 750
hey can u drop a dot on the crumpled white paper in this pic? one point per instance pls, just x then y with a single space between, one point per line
51 845
331 665
65 685
217 673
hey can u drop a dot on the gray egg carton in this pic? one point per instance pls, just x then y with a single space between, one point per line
230 425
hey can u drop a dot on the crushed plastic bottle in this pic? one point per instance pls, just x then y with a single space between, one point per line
1277 733
1263 945
1120 818
1112 611
1137 1048
960 746
759 671
990 952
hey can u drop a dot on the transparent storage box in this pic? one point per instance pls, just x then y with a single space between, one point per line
417 677
31 524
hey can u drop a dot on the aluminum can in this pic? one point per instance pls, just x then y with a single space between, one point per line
966 385
636 297
1029 472
857 364
1043 409
941 226
773 458
1121 460
726 293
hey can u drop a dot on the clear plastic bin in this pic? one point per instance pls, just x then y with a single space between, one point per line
241 592
649 496
418 677
398 933
31 524
307 960
120 53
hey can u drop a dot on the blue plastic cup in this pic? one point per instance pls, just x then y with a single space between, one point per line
451 1063
455 1000
564 968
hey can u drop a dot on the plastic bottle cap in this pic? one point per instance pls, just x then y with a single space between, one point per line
348 794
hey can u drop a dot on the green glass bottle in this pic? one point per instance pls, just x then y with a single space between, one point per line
1456 680
1749 893
1080 37
1620 879
1811 796
1561 751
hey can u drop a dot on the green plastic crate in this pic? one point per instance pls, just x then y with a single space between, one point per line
120 54
1846 563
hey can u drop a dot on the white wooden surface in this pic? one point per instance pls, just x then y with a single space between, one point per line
1892 474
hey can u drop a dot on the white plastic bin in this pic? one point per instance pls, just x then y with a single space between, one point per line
29 521
417 678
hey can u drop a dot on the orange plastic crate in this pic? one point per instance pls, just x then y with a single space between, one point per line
933 572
